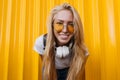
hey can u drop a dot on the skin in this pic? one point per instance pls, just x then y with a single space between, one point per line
65 17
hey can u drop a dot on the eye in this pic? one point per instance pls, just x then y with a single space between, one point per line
59 23
71 27
71 24
58 26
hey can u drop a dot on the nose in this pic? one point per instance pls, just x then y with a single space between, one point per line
65 29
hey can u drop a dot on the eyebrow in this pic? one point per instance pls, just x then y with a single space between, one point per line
63 21
60 20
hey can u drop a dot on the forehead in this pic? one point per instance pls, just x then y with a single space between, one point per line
64 15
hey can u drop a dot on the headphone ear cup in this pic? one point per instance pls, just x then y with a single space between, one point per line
62 52
59 52
65 51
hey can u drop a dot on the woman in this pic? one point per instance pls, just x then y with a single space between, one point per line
62 48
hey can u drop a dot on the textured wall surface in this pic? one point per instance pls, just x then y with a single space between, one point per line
22 21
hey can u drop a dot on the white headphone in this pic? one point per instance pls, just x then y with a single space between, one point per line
61 51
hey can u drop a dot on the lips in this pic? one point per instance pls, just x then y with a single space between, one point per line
64 37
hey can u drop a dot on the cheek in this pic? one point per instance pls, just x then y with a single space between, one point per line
71 36
55 34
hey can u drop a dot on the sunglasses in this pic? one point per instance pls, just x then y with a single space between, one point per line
58 26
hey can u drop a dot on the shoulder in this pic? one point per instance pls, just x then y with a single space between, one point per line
39 39
39 44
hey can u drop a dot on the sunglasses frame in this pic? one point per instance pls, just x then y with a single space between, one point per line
62 26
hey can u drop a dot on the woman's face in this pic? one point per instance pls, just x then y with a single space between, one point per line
63 26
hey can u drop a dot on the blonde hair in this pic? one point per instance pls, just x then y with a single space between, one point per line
79 49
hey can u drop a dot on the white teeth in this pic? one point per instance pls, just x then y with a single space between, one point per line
62 51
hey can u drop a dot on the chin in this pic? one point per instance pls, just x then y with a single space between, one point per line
63 42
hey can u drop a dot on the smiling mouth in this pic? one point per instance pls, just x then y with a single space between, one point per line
64 37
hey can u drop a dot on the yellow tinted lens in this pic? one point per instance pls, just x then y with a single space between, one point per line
58 27
70 28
